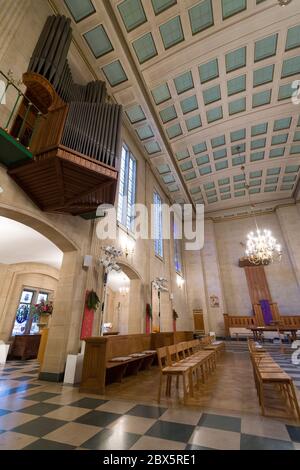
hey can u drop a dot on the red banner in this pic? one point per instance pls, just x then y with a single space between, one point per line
87 323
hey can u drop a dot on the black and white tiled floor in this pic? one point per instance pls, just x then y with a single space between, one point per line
41 415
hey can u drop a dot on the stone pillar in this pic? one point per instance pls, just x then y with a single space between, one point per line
289 220
213 280
64 333
136 306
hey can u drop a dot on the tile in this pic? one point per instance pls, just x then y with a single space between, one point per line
98 418
194 447
294 432
19 389
90 403
152 443
14 441
110 439
42 396
3 412
32 372
11 369
15 404
171 431
116 406
43 444
67 413
132 424
227 423
264 427
14 419
41 409
23 378
184 416
215 439
73 434
146 411
249 442
39 427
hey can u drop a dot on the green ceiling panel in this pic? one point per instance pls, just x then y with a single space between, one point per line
161 93
240 160
161 5
293 38
281 124
236 85
263 75
212 200
135 114
297 136
259 129
256 174
198 148
258 144
209 71
168 114
98 41
273 171
262 98
193 122
220 154
208 186
257 156
270 189
195 190
174 131
255 183
206 170
225 190
238 178
286 187
145 132
145 48
265 47
279 152
254 190
240 193
295 149
184 82
238 149
132 13
225 196
290 67
289 179
152 147
186 166
211 193
272 180
224 181
190 176
238 135
212 94
232 7
80 9
218 141
182 154
285 92
189 104
237 106
173 188
236 59
202 160
171 32
239 186
279 139
115 73
214 114
292 168
201 16
168 179
164 168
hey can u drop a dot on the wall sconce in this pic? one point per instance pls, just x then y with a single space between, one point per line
180 281
127 244
124 290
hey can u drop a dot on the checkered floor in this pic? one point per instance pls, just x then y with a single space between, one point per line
41 415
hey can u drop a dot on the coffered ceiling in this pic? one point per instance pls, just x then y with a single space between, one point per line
206 87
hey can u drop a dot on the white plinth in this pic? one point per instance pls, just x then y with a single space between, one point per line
3 353
73 370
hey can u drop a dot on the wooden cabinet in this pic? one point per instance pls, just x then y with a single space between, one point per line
25 347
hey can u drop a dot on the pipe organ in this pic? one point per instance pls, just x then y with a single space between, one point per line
78 140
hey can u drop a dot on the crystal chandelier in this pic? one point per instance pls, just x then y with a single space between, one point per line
261 247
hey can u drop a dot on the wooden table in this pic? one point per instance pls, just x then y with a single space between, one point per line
258 331
25 347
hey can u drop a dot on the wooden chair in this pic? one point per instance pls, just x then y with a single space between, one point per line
170 370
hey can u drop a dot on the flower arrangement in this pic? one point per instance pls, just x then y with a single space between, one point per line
43 308
92 300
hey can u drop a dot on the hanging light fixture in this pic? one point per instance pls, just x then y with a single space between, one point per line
261 247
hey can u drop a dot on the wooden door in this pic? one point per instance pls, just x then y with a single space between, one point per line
198 320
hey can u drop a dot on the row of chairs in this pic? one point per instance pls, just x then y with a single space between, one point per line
192 361
267 371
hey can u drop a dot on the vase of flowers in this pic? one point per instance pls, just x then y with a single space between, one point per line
42 312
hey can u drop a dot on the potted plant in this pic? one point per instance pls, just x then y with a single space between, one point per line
175 316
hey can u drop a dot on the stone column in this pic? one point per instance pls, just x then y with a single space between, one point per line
289 220
136 306
64 333
213 280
